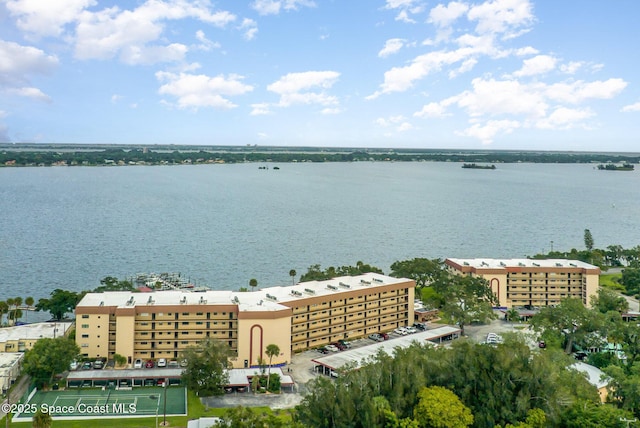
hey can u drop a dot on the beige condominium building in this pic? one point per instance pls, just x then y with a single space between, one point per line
526 282
161 324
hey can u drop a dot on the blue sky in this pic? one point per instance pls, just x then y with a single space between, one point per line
499 74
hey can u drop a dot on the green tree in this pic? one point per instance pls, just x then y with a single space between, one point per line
570 320
207 364
41 419
253 283
11 305
587 414
588 240
110 283
17 313
631 280
119 360
512 315
49 357
422 271
438 407
243 417
608 300
4 309
271 351
466 299
29 301
292 274
60 302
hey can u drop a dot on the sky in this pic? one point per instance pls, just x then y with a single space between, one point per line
492 75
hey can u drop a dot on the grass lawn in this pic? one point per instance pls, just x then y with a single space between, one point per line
610 280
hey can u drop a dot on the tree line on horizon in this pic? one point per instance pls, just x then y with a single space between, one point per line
115 155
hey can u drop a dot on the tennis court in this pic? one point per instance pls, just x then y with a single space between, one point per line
95 403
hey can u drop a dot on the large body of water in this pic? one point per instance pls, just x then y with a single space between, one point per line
221 225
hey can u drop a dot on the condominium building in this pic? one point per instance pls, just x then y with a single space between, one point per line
162 324
526 282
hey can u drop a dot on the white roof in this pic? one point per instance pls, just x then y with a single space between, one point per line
239 377
34 331
480 263
266 299
595 376
8 361
364 353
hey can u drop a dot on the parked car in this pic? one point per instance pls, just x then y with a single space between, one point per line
150 364
339 345
420 326
87 365
401 331
137 364
384 336
331 348
411 329
376 337
74 365
162 362
345 343
98 364
173 364
323 350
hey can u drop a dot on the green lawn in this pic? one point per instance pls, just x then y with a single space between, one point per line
610 280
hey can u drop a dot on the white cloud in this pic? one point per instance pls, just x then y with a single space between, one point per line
406 9
330 110
30 92
580 91
294 88
444 16
572 67
250 28
114 32
260 109
496 97
46 18
631 108
564 118
115 98
273 7
432 110
18 61
205 43
391 47
399 123
537 65
501 16
489 130
195 91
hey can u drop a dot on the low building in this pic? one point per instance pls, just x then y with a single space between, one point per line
295 318
596 377
10 365
532 283
21 338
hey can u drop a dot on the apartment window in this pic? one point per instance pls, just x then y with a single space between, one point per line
185 314
85 316
184 342
85 336
199 314
185 322
84 345
85 325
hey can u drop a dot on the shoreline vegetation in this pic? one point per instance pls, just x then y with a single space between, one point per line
30 155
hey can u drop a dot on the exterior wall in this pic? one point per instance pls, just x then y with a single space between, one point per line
255 334
519 285
293 321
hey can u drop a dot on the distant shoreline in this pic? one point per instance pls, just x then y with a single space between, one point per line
33 155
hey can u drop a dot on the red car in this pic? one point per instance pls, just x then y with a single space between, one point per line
385 336
150 364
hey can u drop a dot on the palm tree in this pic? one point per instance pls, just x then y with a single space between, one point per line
253 283
4 309
42 419
18 313
272 351
292 274
29 301
11 307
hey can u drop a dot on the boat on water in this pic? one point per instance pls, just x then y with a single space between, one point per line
478 166
616 167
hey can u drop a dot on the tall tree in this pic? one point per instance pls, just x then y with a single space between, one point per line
42 419
60 302
608 300
49 357
438 407
466 299
11 304
588 240
272 351
4 309
253 283
292 274
207 364
29 301
422 271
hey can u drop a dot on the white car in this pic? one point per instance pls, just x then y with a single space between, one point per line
74 365
137 364
401 330
331 348
162 362
411 329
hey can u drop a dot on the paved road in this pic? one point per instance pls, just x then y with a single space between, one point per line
16 392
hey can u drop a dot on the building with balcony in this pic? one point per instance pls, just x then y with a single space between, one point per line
532 283
161 324
21 338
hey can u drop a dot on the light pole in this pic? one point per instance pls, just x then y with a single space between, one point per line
166 381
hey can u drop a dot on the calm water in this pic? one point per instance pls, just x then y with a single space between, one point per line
221 225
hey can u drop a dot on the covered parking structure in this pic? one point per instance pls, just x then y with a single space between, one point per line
123 378
240 379
329 364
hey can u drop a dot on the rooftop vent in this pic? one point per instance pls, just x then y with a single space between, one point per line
309 291
271 297
503 264
102 303
202 300
150 301
573 264
365 282
345 285
332 287
466 263
559 264
183 300
235 300
521 264
296 293
536 264
130 301
378 280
